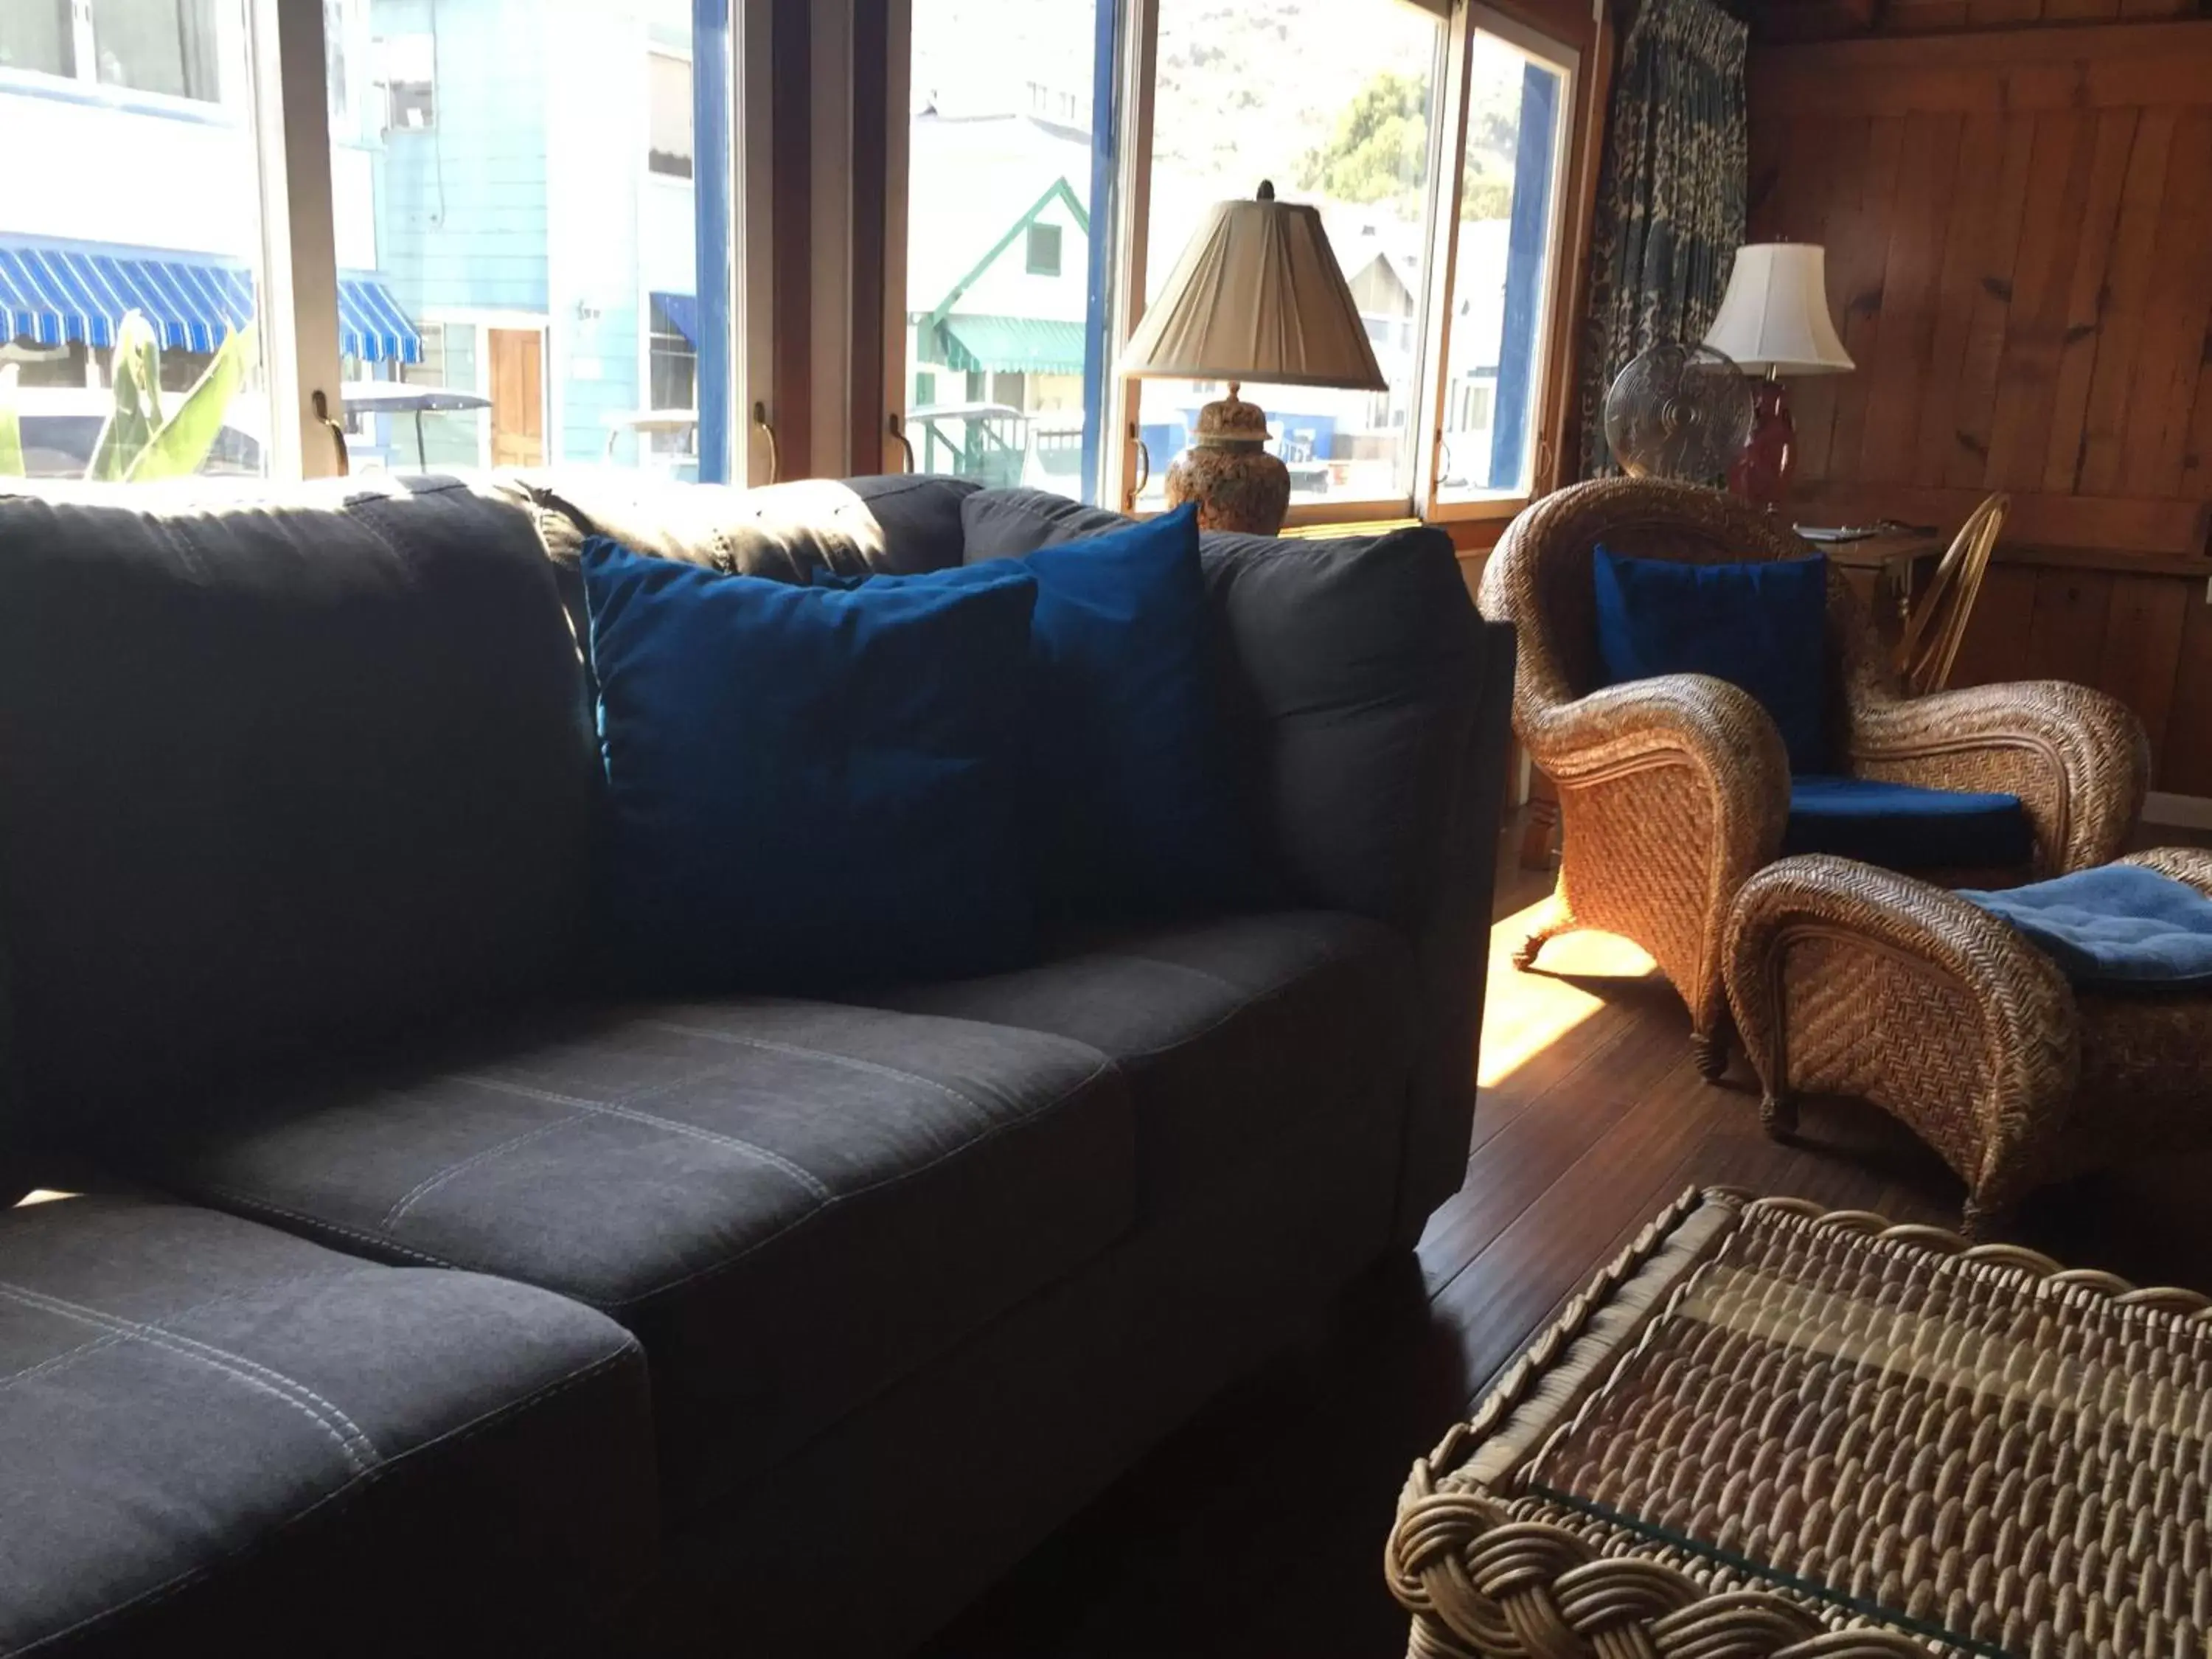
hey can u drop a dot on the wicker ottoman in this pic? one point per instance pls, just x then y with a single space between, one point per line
1766 1432
1849 980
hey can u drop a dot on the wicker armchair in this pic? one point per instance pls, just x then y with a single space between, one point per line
1673 791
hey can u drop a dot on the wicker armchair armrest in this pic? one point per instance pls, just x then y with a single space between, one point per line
2077 758
2016 1074
1718 727
2191 865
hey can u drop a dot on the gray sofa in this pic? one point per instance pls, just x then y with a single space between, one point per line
430 1293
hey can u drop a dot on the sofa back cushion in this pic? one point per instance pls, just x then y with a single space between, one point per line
998 524
275 778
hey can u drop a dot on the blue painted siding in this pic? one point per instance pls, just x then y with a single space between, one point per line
461 207
524 194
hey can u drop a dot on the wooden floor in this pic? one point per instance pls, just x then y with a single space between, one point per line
1258 1530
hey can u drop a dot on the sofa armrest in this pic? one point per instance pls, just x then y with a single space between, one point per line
2077 758
1368 707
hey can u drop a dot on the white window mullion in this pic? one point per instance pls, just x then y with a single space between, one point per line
84 42
1448 182
299 310
1139 48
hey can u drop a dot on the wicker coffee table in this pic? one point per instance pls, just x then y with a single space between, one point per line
1765 1430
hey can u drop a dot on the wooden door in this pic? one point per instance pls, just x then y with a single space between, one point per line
518 396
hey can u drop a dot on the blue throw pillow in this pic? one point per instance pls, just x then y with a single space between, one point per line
1130 800
1761 626
811 787
1136 811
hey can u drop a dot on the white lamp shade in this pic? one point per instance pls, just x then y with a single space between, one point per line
1774 317
1257 295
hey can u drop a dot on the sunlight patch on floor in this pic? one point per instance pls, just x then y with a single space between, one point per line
1524 1014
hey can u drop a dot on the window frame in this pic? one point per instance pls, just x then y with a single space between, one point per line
1469 20
1124 217
283 95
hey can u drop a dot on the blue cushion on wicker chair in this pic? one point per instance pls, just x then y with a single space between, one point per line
1901 827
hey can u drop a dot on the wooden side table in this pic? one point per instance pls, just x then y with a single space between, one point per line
1891 571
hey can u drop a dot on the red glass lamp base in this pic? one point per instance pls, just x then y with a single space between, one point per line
1761 473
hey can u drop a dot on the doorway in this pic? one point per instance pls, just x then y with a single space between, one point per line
517 395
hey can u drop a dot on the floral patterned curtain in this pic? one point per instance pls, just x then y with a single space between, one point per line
1670 207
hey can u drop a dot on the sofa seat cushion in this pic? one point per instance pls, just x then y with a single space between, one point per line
1231 1030
1900 826
791 1203
221 1438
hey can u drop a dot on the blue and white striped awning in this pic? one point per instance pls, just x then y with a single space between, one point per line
53 293
682 311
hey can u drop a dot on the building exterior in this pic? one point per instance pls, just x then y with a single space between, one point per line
998 261
514 210
151 200
534 213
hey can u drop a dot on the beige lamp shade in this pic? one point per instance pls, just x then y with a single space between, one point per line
1257 295
1774 317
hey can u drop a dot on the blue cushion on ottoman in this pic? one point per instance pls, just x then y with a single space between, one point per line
1901 827
1761 626
2116 926
807 788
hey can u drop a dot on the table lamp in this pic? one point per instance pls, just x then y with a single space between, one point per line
1774 321
1257 295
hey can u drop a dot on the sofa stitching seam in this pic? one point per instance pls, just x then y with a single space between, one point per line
1023 1120
802 1051
360 1451
806 1178
430 1183
1253 999
481 1424
163 1323
381 1241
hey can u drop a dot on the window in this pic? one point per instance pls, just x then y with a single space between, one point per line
998 195
1239 98
668 115
407 71
523 211
38 35
1494 350
166 46
508 285
342 20
151 232
1433 136
1043 250
674 368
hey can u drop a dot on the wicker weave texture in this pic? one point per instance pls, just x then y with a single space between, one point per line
1998 1452
1673 791
1849 980
1829 1430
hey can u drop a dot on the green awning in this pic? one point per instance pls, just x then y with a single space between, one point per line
1012 345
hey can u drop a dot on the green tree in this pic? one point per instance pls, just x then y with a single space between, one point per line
1379 151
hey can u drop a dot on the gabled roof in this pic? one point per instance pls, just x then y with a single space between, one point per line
1058 190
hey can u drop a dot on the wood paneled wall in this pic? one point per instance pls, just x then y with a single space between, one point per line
2019 227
